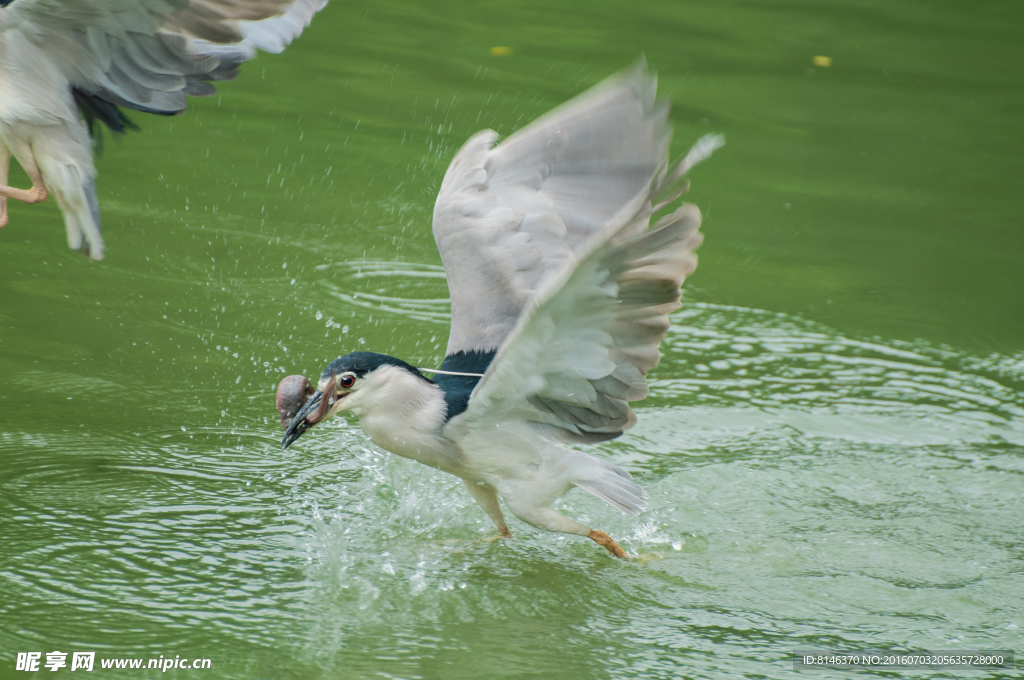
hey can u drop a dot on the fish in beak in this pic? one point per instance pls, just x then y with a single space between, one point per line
290 394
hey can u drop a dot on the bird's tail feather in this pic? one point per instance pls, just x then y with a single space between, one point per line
89 188
615 487
75 191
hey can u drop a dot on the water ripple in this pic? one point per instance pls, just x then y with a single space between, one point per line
798 480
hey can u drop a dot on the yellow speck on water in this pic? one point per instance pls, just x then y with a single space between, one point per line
818 60
500 51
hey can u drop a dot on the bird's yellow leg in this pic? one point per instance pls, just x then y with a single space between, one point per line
36 194
549 519
608 542
487 498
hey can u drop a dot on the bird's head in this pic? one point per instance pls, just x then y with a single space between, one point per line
348 383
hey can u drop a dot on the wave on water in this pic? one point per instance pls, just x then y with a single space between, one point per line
402 288
783 369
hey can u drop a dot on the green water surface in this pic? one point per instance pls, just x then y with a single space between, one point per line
834 443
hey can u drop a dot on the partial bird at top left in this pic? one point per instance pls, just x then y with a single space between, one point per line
69 66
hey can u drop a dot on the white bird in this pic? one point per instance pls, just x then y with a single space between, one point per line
68 65
560 290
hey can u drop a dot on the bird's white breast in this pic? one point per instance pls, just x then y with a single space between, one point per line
404 414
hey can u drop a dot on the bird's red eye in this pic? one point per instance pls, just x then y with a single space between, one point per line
347 381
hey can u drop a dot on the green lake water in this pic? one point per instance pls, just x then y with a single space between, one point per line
834 443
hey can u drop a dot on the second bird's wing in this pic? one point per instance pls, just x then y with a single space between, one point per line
581 350
148 54
509 216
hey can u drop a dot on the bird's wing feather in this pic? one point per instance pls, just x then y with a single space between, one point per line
508 216
582 348
148 54
276 33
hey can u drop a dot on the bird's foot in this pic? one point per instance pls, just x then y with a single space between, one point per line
3 212
504 534
608 542
37 194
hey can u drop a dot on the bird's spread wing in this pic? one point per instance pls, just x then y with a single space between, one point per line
582 348
276 33
510 215
148 54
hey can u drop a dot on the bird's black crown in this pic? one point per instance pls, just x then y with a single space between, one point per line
362 363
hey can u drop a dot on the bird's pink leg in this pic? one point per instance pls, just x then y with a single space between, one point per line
36 194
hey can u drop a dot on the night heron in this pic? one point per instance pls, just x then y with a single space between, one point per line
560 291
66 66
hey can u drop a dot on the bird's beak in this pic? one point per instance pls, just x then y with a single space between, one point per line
311 413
